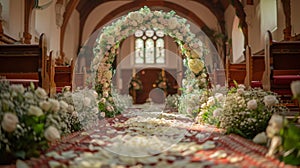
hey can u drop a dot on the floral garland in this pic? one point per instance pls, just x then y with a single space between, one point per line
136 84
143 19
162 82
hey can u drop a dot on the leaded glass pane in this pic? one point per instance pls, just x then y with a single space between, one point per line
159 33
149 33
150 51
160 51
139 33
139 51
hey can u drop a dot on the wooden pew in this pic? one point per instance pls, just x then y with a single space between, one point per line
80 79
283 59
255 67
235 72
63 76
24 63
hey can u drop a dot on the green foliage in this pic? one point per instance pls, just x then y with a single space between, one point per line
291 144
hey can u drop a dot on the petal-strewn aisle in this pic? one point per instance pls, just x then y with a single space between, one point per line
154 140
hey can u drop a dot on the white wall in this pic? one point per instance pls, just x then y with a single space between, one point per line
45 22
229 16
200 11
13 17
71 39
98 14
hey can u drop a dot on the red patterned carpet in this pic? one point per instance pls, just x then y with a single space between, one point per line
219 151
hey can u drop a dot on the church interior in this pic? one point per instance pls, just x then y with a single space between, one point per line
149 83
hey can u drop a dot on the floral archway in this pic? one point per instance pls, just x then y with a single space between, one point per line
112 35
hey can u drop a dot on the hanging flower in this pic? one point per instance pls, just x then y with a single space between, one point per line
9 122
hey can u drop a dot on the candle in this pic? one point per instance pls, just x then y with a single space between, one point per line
133 72
162 72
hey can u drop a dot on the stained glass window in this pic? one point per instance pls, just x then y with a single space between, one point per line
149 47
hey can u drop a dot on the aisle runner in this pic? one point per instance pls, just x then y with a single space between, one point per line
154 140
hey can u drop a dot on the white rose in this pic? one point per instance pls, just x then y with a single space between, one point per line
252 104
34 110
295 87
51 134
86 101
110 108
110 40
105 94
240 91
70 108
217 112
203 105
95 94
270 100
134 23
172 23
63 104
103 100
211 101
219 96
41 93
260 138
9 122
45 105
156 13
55 106
102 114
241 86
18 88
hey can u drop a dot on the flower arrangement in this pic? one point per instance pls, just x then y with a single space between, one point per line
211 108
284 136
143 19
247 112
136 84
190 98
243 112
30 120
172 101
82 107
161 82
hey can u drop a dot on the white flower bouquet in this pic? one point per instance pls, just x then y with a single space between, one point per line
247 112
29 121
